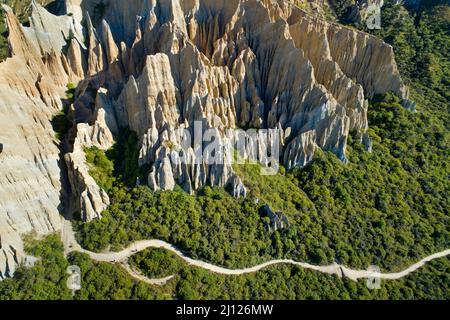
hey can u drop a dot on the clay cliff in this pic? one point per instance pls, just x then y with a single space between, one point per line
32 84
157 67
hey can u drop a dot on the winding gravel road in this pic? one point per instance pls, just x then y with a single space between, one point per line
71 245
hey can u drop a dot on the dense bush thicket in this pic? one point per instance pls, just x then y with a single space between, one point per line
101 168
157 263
124 155
393 202
102 281
47 280
421 41
294 283
211 226
342 9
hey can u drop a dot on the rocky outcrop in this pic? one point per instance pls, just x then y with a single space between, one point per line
314 80
159 67
97 135
278 220
238 188
150 101
252 64
32 84
364 8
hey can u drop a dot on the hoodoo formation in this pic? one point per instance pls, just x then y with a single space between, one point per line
156 67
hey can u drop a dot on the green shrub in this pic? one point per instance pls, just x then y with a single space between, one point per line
100 167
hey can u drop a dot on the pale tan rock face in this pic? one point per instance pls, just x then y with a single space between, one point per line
89 199
31 86
152 99
156 67
86 196
76 59
239 64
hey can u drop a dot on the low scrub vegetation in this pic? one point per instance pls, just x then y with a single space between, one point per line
103 281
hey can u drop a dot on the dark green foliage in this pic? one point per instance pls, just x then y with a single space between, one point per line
70 93
99 12
393 202
117 166
46 280
293 283
277 191
100 167
125 155
342 8
61 124
213 226
157 263
387 208
4 49
20 8
421 40
61 121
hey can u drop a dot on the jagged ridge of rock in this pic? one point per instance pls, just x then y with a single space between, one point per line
261 64
31 86
86 196
156 67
